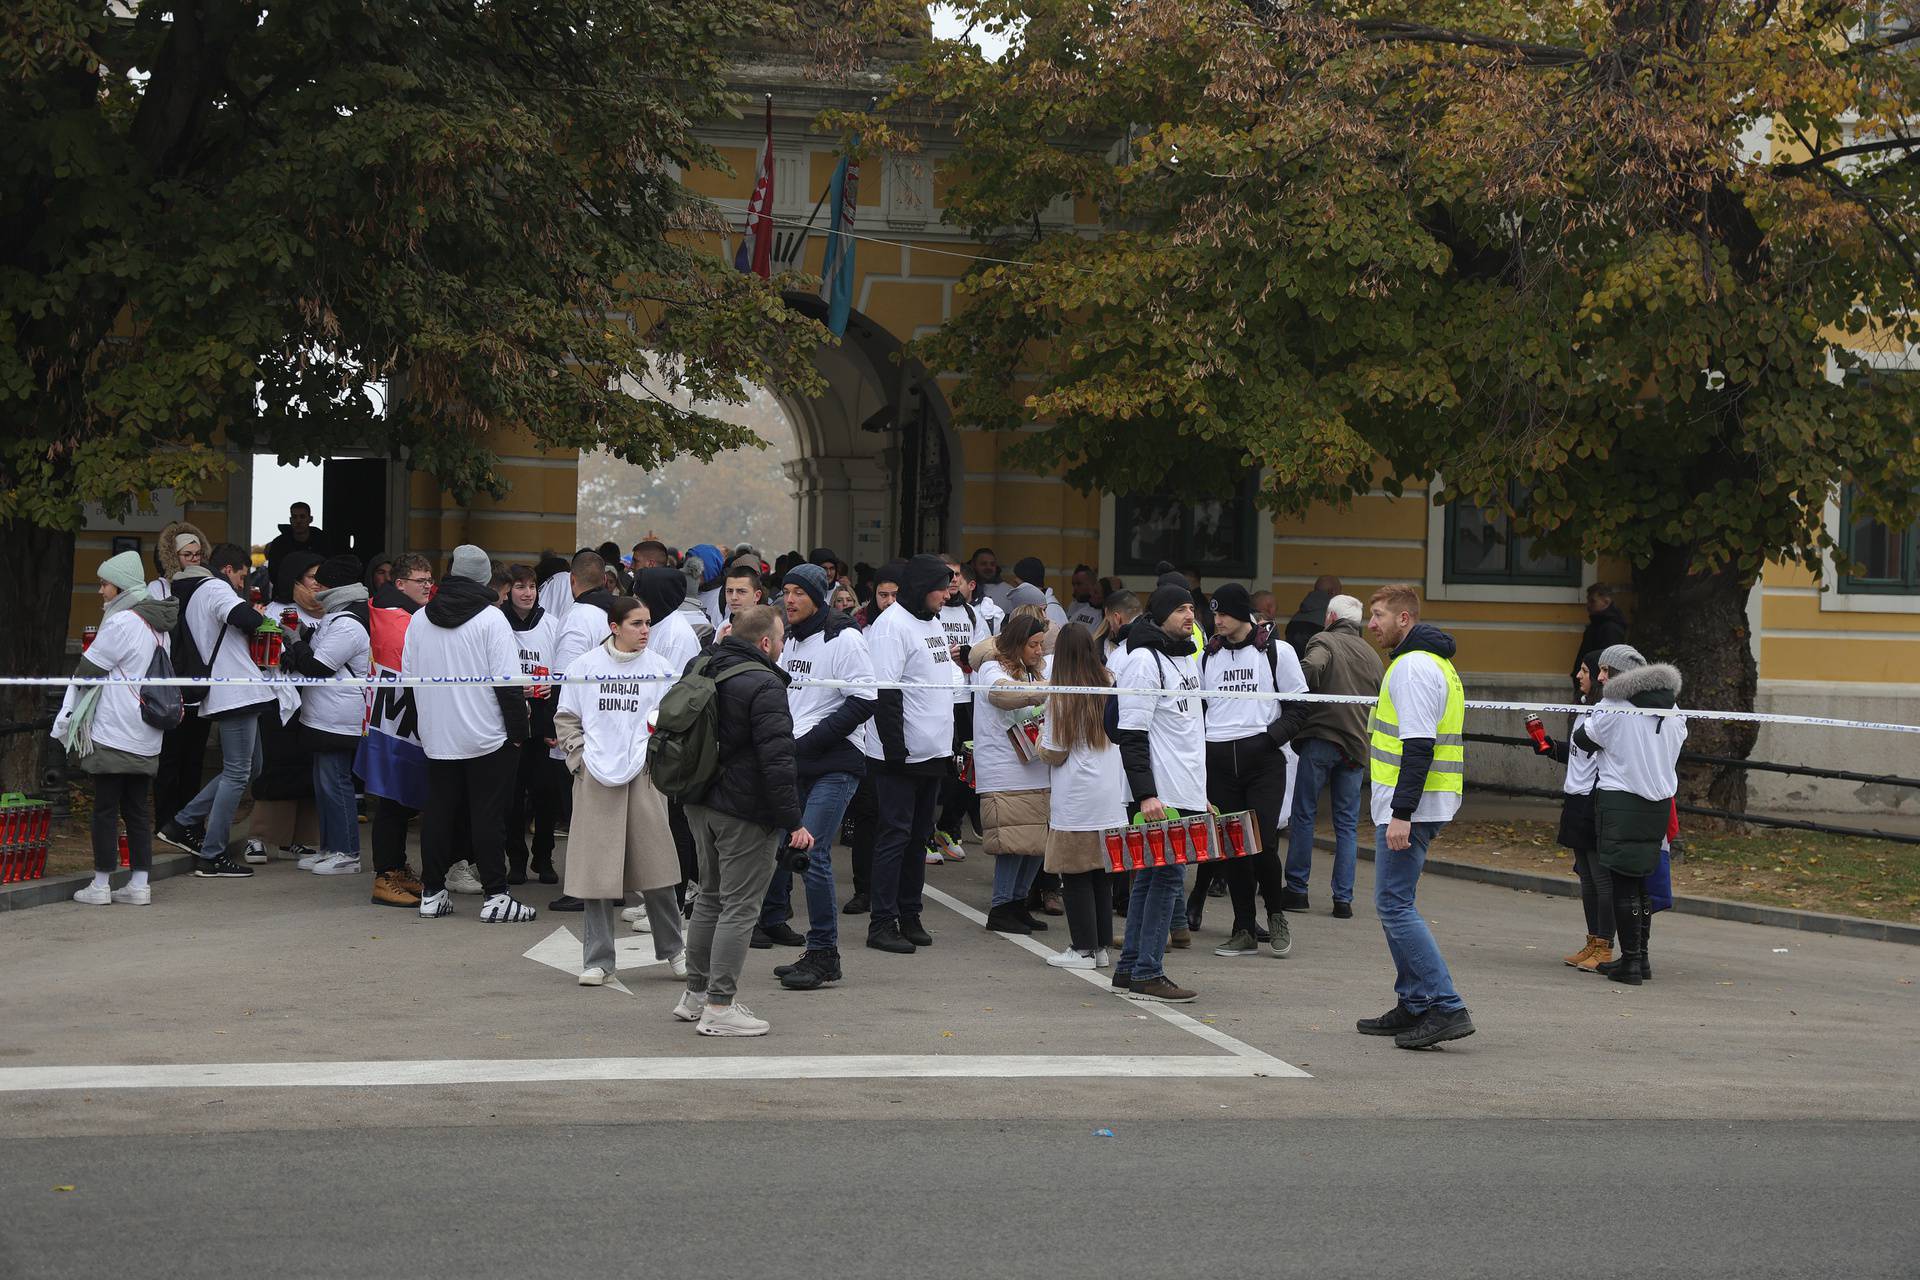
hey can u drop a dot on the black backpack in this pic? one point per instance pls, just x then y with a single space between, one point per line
161 705
684 753
186 654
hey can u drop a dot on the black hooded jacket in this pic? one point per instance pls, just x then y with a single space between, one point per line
661 589
1136 755
1604 630
458 602
392 597
1416 754
757 779
825 748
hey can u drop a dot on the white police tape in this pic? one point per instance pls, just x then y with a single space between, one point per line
1745 717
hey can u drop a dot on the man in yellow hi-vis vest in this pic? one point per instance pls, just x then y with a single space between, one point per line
1417 765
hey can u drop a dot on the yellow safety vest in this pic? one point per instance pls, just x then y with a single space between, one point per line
1449 769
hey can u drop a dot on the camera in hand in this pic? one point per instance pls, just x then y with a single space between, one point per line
794 859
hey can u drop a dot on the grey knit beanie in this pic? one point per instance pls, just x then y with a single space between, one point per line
471 562
1621 657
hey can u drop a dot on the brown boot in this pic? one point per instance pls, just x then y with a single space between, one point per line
1602 953
1585 953
407 880
390 891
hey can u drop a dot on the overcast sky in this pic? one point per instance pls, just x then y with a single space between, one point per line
946 25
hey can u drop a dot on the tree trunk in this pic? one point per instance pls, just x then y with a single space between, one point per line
36 580
1698 622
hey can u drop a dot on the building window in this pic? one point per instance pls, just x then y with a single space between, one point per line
1212 535
1885 560
1481 548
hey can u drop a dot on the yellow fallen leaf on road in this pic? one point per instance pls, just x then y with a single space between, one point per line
66 1188
947 1035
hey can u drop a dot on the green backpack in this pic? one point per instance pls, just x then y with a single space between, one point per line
684 752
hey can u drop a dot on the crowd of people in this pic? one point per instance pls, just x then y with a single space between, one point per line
719 724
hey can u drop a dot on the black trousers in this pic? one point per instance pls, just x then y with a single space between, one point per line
957 799
906 802
864 813
1088 898
475 792
1251 773
183 755
390 819
117 796
683 844
1595 903
538 784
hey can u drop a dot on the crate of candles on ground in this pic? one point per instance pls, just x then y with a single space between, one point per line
25 826
1178 841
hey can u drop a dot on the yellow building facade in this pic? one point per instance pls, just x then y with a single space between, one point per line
882 469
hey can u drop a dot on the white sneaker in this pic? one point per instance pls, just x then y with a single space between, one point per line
690 1007
679 965
640 923
311 859
1071 959
934 857
338 864
435 905
460 879
1101 960
949 847
594 977
93 895
634 913
255 853
135 895
730 1020
504 908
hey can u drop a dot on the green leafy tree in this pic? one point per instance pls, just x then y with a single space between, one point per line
1491 241
224 222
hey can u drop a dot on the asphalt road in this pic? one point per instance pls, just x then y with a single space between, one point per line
907 1197
1751 1112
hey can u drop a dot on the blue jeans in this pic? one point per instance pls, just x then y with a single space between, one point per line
1420 976
1320 762
1156 892
1013 875
823 802
333 796
241 760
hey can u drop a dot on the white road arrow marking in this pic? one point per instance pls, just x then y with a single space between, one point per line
561 950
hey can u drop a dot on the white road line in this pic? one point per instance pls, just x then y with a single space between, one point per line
349 1075
1212 1035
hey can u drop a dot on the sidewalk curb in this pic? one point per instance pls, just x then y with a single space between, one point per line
1713 908
39 893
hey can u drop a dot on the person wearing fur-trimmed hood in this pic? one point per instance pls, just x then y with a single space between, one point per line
1633 798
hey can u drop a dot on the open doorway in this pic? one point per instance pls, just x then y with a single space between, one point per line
346 498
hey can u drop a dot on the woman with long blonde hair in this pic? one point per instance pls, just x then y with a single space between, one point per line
1088 795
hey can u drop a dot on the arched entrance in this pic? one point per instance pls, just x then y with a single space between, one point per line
874 477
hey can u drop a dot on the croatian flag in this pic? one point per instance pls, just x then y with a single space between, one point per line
837 269
390 760
756 246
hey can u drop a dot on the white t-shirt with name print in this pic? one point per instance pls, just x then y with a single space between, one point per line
1638 753
1419 690
815 657
1175 727
613 710
965 627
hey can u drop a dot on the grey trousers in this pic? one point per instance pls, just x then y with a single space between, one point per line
602 920
736 862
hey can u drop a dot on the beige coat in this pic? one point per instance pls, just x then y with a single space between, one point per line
619 841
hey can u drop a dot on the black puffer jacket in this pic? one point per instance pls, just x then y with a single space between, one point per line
757 778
